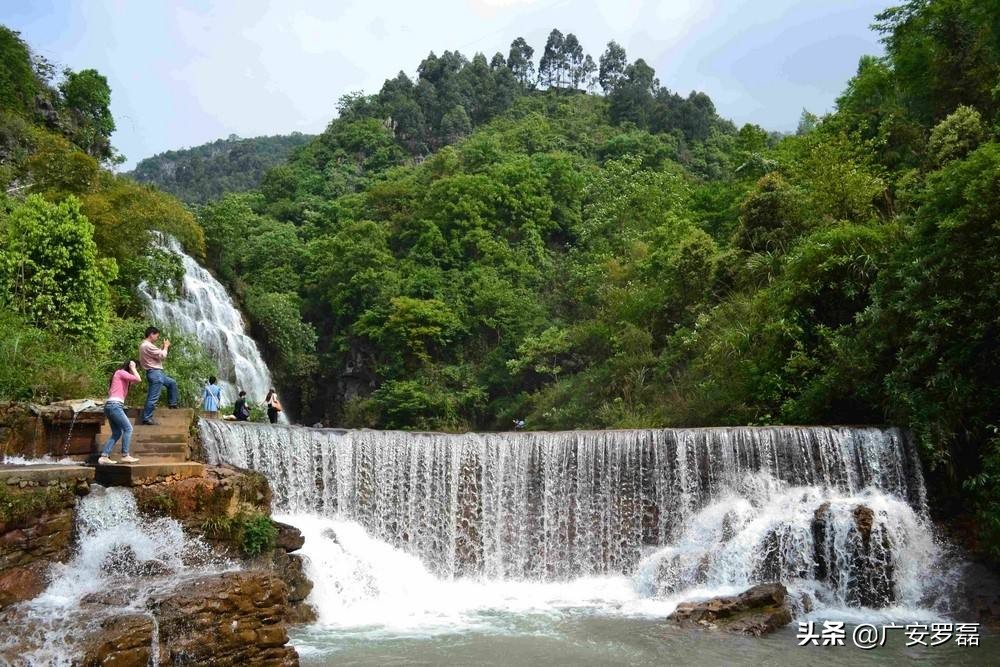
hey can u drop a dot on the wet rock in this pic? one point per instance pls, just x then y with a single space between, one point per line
234 618
977 593
757 611
864 517
27 548
122 560
864 557
124 640
819 532
115 597
22 583
289 537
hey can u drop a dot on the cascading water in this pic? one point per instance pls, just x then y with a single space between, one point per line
527 544
838 510
205 311
121 560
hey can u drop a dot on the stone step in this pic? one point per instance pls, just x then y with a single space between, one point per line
43 474
157 459
172 447
146 472
150 434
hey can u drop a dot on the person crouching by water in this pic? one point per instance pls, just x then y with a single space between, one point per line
273 406
151 359
114 410
240 409
211 399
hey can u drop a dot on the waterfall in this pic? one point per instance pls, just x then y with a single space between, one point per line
843 508
206 312
121 559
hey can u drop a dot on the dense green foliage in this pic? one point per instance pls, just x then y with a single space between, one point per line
75 240
470 249
489 241
203 173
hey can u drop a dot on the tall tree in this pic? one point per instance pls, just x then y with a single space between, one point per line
632 98
588 73
572 61
88 97
50 271
552 63
613 64
520 63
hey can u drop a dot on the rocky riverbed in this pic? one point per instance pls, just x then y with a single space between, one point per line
175 572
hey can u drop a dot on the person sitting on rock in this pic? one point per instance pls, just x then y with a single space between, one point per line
240 410
114 410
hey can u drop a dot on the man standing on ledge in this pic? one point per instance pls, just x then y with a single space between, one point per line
151 359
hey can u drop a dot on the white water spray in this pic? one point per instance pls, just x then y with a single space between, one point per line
206 312
121 560
678 513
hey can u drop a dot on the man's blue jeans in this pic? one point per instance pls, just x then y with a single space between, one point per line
157 379
121 427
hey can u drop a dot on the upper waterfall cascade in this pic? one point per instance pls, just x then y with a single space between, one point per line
206 312
840 508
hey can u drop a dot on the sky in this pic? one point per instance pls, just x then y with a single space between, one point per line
183 73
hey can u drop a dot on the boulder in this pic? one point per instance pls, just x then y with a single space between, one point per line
233 618
27 548
868 565
122 560
124 640
289 537
756 611
22 583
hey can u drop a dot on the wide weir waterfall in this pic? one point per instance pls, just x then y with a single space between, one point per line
205 311
838 514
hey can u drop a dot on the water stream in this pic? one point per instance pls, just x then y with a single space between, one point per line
428 545
206 312
121 559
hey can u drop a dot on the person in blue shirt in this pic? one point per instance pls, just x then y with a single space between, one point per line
211 399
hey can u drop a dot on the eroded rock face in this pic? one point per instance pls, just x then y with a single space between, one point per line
224 493
28 547
234 618
289 537
757 611
124 640
867 562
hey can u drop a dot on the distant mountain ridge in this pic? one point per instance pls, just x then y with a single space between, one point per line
203 173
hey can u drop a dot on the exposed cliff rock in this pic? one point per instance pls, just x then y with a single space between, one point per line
869 565
36 529
230 509
757 611
234 618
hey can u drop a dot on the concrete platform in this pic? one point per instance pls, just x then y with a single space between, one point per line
142 473
44 473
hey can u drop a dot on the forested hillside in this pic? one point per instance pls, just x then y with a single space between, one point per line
483 243
565 240
203 173
75 240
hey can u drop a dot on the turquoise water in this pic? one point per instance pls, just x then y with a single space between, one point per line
575 638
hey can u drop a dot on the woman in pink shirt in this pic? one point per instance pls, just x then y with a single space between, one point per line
114 410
